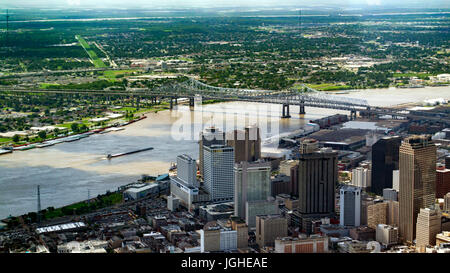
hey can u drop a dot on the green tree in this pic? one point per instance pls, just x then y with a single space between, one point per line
84 128
16 138
42 134
75 127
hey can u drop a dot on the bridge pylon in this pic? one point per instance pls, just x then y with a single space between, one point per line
191 103
285 111
302 108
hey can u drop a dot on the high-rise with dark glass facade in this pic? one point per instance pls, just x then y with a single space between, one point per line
317 178
384 161
417 161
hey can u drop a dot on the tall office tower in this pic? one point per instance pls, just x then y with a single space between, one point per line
187 170
361 177
447 202
308 145
218 172
417 161
317 179
428 226
210 136
251 182
442 182
270 227
350 206
384 161
246 144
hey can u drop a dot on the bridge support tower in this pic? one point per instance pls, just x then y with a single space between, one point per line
191 103
285 111
302 108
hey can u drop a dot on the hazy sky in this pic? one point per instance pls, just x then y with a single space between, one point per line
221 3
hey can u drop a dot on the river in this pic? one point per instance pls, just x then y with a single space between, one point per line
65 172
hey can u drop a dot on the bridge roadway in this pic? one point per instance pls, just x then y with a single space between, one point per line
192 88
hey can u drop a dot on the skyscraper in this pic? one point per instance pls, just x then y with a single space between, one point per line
317 178
428 226
185 185
350 206
218 172
246 144
210 136
442 182
361 177
384 161
417 161
252 182
187 170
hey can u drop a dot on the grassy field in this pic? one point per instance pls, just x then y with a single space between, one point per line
5 139
114 73
95 59
329 87
47 85
84 207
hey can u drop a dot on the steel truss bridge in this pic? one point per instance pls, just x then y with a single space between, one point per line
192 88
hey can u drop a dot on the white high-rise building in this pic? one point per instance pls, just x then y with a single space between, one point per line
396 180
361 177
218 172
350 206
428 226
187 170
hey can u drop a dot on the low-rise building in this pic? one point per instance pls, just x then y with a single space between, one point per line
443 238
92 246
302 244
387 235
270 227
214 238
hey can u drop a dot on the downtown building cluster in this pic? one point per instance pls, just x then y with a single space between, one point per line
235 199
301 204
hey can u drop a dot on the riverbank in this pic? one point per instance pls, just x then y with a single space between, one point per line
67 171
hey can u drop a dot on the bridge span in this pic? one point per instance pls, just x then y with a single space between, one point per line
303 97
